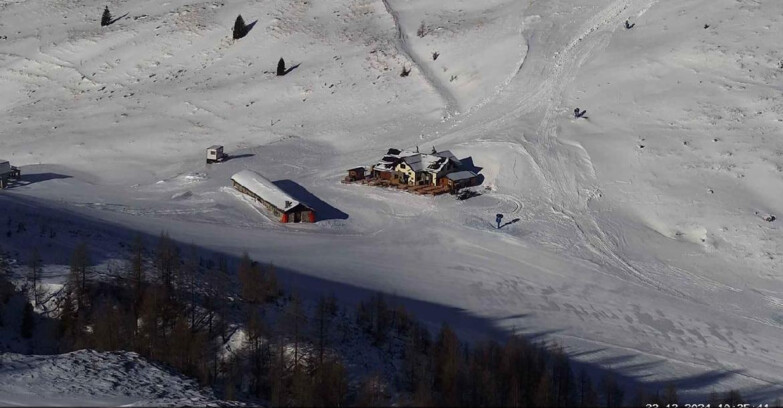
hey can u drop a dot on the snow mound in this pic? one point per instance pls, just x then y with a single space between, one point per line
92 378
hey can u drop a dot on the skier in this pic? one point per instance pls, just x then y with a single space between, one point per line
499 219
628 25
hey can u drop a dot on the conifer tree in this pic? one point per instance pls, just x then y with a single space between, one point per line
281 67
240 30
106 18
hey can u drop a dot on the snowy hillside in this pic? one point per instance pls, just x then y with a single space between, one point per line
90 378
640 240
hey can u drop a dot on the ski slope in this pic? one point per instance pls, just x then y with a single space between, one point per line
640 244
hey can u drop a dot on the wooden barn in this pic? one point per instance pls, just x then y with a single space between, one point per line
459 180
276 201
356 174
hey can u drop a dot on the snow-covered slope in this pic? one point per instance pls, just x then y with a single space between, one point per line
90 378
640 242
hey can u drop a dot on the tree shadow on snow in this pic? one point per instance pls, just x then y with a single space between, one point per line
249 27
291 68
118 19
323 211
109 238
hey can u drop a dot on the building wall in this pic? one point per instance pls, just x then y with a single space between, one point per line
269 207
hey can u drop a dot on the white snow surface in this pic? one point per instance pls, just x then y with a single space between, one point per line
639 241
91 378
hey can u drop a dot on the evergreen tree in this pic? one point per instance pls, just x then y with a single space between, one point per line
106 18
240 30
281 67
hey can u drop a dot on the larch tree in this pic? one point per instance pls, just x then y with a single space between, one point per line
80 265
281 67
35 264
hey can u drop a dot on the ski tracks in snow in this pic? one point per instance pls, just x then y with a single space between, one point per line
452 105
575 180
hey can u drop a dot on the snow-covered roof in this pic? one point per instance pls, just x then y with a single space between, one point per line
214 147
265 189
461 175
416 161
430 162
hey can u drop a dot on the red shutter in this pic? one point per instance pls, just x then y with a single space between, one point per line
284 218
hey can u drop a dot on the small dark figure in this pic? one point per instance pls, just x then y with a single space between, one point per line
405 72
281 67
435 55
628 25
499 219
106 18
433 150
578 114
240 30
706 26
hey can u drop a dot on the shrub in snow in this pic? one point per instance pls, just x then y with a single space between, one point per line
106 18
240 30
422 31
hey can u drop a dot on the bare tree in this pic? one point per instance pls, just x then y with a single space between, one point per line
423 30
167 262
294 325
35 264
80 265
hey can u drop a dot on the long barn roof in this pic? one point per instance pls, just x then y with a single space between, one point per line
265 189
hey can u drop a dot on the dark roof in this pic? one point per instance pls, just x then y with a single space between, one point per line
393 151
461 175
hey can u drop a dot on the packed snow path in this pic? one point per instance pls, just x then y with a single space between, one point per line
640 242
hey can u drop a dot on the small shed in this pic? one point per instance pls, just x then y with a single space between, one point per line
459 180
7 173
356 174
215 154
276 201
